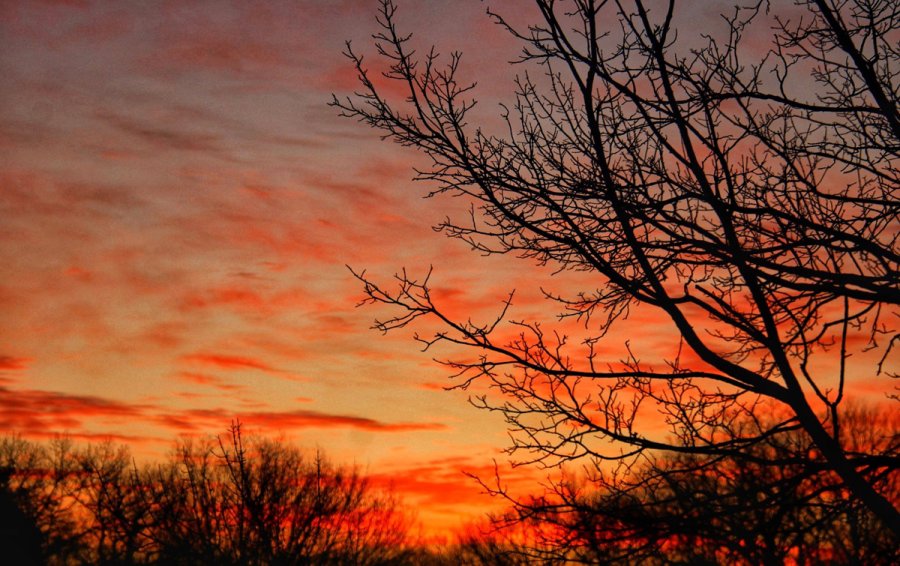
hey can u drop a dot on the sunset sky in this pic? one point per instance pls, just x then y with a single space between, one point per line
179 205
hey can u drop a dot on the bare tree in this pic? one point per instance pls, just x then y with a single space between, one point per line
748 196
263 502
116 514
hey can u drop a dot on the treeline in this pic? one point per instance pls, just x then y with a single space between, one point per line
236 501
227 501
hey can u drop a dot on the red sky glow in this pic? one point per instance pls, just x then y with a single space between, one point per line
179 205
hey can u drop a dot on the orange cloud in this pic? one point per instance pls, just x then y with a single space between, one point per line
13 363
432 386
35 412
225 296
207 380
306 419
213 419
45 413
229 362
446 492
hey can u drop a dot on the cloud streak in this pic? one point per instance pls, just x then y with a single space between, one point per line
44 413
11 363
227 362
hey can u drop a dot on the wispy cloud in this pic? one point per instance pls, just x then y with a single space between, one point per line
43 412
207 380
228 362
209 419
161 138
12 363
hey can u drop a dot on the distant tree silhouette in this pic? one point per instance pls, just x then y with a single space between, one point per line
223 502
745 192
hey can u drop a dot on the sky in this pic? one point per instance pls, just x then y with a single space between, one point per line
179 207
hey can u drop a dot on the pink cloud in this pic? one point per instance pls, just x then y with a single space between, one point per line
159 137
218 54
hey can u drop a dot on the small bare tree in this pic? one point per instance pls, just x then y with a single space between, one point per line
747 195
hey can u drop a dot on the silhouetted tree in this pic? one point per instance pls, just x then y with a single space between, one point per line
267 504
745 192
116 514
694 509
